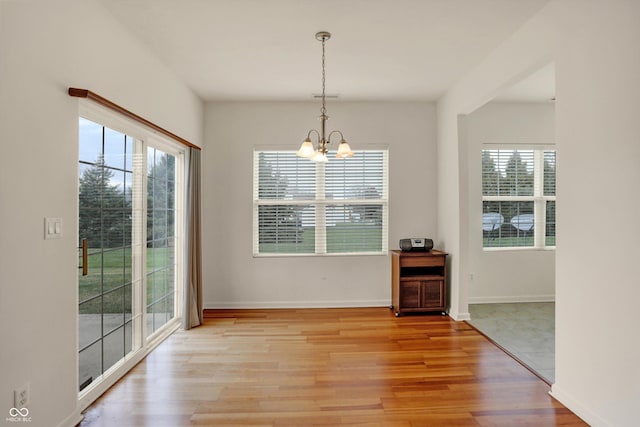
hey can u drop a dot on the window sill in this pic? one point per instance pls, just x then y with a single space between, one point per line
350 254
520 249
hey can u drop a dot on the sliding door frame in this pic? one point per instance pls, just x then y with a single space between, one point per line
179 153
141 344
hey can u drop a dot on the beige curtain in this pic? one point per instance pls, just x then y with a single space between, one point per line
192 312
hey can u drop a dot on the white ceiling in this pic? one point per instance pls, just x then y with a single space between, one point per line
266 49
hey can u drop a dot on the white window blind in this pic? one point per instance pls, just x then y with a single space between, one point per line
518 197
302 207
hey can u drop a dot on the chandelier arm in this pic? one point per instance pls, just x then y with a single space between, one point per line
312 131
335 131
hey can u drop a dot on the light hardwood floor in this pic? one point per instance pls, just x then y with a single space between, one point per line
328 367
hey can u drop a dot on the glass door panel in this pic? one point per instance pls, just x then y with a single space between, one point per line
161 218
105 224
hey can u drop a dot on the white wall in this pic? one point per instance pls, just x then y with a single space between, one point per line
598 176
515 275
232 277
594 46
46 47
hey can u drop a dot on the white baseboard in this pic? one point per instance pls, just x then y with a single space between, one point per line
577 408
458 317
296 304
72 420
512 299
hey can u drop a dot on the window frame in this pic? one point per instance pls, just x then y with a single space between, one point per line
539 199
320 203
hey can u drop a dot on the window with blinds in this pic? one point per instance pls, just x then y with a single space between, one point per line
518 197
303 207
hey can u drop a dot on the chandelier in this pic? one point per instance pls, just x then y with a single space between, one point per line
307 149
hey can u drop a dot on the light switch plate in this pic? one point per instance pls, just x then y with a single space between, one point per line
52 228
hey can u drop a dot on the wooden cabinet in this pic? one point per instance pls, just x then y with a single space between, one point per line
418 282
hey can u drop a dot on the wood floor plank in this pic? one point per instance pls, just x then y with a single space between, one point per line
360 367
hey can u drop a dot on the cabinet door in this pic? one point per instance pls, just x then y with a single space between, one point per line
433 294
410 294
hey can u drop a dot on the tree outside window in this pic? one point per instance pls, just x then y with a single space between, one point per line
518 197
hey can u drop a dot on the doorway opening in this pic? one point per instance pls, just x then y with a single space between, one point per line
509 247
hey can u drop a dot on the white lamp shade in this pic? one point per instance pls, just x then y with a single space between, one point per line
319 156
306 149
344 150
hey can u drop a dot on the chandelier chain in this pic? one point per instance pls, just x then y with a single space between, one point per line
323 110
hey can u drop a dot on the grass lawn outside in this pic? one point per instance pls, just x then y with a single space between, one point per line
515 242
110 274
340 239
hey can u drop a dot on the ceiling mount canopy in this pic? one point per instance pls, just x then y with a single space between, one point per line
319 152
322 36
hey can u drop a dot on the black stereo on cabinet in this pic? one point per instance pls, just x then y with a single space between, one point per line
416 244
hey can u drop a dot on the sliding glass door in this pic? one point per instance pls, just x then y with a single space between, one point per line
130 216
105 238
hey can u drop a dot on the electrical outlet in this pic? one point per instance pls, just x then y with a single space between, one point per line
21 398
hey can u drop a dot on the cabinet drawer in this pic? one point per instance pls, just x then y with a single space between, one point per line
426 261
